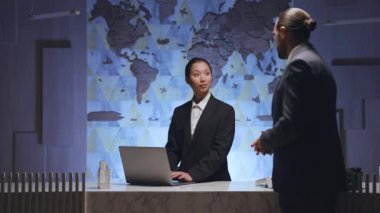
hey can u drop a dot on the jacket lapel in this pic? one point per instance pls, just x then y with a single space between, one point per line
207 112
187 127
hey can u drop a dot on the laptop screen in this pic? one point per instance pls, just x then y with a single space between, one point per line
145 165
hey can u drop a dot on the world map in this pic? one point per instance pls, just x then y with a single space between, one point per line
137 51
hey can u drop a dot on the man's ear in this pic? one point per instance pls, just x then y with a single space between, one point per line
187 80
283 31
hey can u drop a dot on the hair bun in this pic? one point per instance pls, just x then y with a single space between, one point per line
310 24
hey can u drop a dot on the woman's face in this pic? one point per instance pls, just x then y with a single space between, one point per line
200 78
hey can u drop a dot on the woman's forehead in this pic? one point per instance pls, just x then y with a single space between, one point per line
200 66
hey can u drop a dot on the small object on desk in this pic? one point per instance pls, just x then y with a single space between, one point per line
104 176
264 182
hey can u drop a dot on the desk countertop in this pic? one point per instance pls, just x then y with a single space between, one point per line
211 197
218 186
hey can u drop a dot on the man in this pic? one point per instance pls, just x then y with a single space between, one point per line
201 130
308 168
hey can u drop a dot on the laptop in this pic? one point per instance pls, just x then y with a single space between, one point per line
146 166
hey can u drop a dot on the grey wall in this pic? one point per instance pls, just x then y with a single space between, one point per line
42 87
358 86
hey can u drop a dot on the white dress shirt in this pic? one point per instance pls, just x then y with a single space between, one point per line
196 112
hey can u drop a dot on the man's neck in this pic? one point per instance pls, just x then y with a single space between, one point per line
292 45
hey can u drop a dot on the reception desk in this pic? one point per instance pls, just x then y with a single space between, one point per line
55 196
218 197
200 197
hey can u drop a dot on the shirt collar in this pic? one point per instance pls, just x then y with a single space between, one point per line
202 104
294 50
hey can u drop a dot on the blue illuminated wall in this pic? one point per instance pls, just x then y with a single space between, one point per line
136 54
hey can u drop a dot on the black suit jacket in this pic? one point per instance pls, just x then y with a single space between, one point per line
304 138
204 156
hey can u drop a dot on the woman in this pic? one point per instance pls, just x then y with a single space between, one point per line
201 130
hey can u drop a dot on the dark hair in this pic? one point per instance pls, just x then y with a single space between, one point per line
193 61
298 22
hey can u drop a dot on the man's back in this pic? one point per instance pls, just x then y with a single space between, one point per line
313 159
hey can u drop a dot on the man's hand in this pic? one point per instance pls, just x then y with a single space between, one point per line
259 148
182 176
